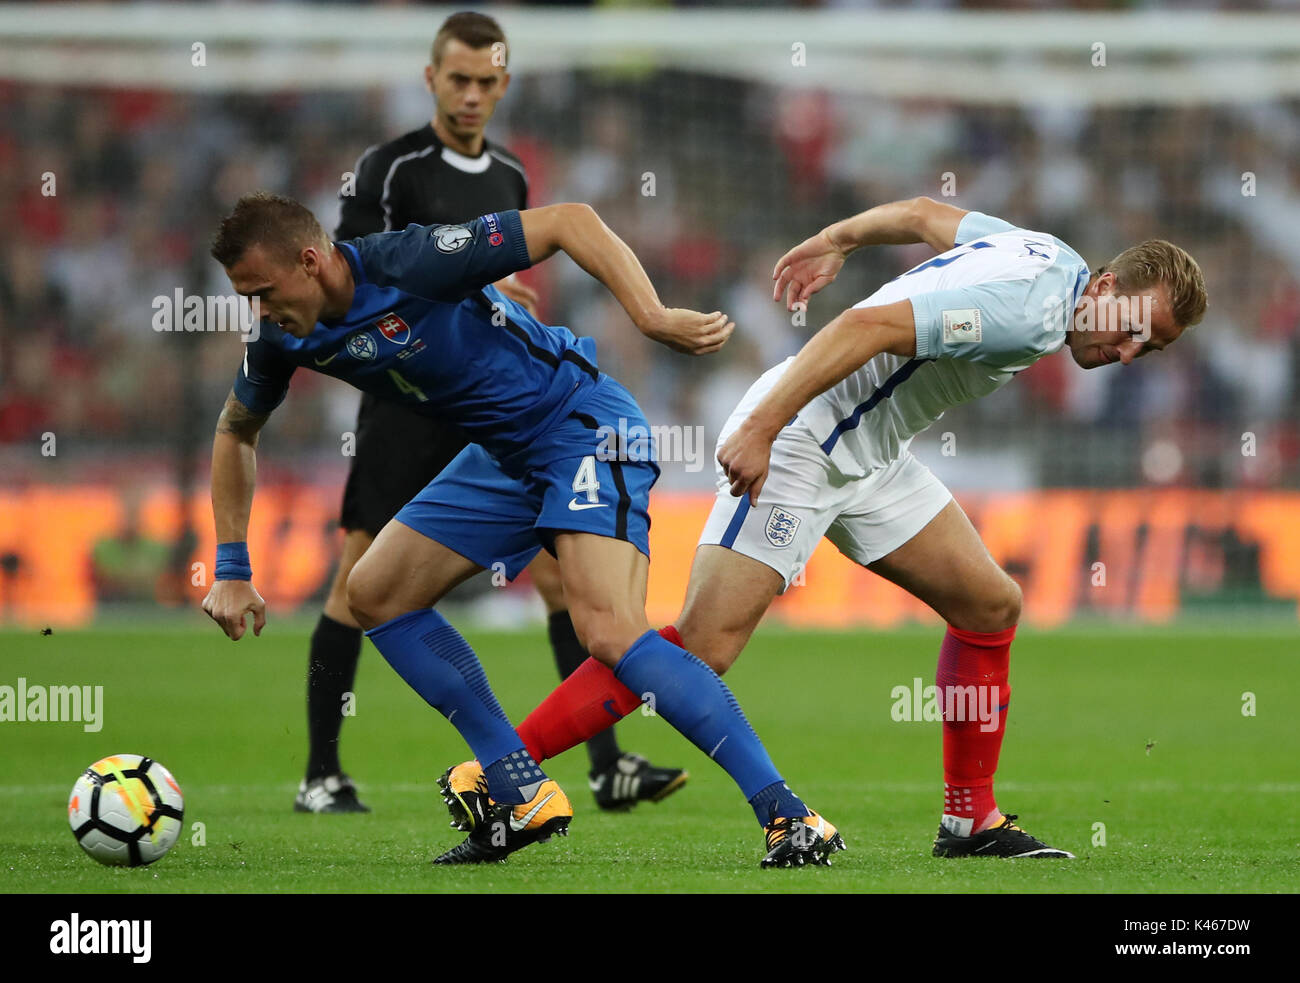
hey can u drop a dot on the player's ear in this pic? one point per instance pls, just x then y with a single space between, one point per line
310 260
428 77
505 84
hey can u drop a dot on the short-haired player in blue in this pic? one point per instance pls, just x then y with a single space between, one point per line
411 315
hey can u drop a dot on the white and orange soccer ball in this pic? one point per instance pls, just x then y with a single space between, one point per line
126 810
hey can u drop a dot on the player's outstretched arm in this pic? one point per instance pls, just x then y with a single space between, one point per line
816 261
234 474
576 229
842 347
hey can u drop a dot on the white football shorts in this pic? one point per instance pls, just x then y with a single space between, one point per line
806 497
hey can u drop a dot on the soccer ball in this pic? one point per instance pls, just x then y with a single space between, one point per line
126 810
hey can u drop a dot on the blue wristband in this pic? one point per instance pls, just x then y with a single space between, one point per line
232 562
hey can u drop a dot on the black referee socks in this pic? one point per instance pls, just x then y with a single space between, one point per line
331 670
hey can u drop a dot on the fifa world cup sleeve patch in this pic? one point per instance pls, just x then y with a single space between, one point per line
962 326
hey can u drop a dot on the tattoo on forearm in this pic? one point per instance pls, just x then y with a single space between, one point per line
239 421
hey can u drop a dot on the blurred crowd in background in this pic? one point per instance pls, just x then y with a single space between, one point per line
709 180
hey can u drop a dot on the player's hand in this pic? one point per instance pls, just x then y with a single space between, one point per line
687 331
806 268
518 291
745 457
230 601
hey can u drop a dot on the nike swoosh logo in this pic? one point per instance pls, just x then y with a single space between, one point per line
327 361
576 506
609 709
518 824
718 745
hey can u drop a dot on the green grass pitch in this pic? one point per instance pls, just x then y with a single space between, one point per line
1139 730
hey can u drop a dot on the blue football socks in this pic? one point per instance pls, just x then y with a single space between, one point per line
437 662
691 697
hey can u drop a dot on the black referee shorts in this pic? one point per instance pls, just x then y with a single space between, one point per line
398 452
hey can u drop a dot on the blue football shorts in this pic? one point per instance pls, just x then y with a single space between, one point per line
591 473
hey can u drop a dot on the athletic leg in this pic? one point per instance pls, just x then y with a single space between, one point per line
747 555
467 519
602 749
948 567
617 780
727 596
398 452
945 564
605 583
391 592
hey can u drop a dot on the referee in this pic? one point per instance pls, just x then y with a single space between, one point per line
444 172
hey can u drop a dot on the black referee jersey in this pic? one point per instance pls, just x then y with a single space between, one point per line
415 178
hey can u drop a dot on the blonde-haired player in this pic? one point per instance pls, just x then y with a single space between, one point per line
819 447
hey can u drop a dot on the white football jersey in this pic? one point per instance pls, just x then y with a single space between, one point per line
995 303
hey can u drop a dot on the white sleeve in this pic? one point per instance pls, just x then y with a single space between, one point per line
977 225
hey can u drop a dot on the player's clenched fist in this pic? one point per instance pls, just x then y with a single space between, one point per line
230 601
687 331
807 268
745 457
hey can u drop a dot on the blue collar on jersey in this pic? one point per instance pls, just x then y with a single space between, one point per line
1080 285
354 261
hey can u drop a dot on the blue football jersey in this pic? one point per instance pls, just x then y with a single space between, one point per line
427 329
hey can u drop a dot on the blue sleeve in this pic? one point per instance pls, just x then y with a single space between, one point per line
263 377
977 225
446 262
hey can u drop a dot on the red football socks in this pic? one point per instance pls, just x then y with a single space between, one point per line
973 694
590 700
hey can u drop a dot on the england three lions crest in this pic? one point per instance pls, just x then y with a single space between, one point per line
781 527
